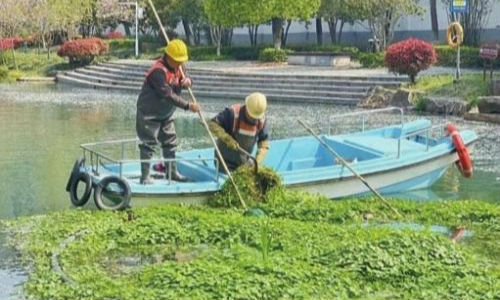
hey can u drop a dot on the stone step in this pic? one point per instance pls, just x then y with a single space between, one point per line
64 79
223 77
226 88
250 83
139 69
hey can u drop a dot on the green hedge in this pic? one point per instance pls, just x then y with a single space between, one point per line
273 55
336 49
372 60
4 72
227 53
469 57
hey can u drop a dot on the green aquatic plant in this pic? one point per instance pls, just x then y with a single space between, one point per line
307 247
254 187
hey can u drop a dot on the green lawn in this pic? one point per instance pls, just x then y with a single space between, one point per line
470 87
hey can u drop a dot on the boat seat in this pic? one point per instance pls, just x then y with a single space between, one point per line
384 146
303 163
412 127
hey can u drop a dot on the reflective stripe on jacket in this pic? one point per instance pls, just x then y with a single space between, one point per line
160 93
244 133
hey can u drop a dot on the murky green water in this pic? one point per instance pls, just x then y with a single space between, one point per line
43 125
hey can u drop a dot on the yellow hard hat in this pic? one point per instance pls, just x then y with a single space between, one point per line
177 50
256 104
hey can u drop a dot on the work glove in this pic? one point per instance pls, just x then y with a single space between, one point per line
186 82
194 107
262 149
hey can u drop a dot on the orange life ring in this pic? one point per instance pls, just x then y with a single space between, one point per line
464 162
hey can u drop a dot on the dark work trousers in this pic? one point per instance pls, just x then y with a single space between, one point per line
154 131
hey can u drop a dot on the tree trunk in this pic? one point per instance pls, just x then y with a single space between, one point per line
285 35
126 27
332 26
187 31
277 28
252 33
196 35
14 57
339 39
216 36
227 36
208 35
434 19
319 32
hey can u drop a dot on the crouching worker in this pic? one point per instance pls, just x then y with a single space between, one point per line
242 126
157 102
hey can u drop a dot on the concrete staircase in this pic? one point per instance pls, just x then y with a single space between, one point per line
343 90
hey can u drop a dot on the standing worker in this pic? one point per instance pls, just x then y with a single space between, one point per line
159 97
242 126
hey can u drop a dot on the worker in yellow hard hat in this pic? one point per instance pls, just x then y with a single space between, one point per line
159 98
242 126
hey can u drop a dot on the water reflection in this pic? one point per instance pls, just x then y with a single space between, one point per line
43 125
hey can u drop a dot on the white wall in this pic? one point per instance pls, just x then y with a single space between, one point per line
406 24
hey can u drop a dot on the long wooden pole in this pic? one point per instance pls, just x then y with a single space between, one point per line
345 163
221 159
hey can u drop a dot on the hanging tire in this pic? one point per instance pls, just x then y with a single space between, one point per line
76 199
76 169
112 193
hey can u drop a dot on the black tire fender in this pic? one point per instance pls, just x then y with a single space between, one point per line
101 186
73 193
76 169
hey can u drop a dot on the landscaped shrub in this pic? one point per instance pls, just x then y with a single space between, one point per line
4 72
83 51
115 35
273 55
410 57
10 43
371 60
469 57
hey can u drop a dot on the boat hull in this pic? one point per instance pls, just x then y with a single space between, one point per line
412 177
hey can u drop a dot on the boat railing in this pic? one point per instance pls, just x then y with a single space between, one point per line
364 114
96 158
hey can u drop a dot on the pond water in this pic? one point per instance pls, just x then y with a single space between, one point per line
42 127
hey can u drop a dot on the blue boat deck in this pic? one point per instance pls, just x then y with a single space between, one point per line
303 160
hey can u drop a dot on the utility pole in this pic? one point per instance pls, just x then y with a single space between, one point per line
136 30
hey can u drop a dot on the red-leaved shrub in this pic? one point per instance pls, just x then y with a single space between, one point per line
410 57
10 43
83 50
115 35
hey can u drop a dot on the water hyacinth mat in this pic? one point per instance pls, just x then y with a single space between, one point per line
305 247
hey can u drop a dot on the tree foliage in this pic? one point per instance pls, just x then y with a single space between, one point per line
383 16
337 13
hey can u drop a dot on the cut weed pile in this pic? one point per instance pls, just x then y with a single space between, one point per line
308 248
254 188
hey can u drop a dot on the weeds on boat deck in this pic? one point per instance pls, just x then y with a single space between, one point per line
254 188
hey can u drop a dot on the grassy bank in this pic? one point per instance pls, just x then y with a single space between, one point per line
307 248
469 88
29 63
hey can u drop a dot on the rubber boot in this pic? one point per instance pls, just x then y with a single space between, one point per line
145 178
176 176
